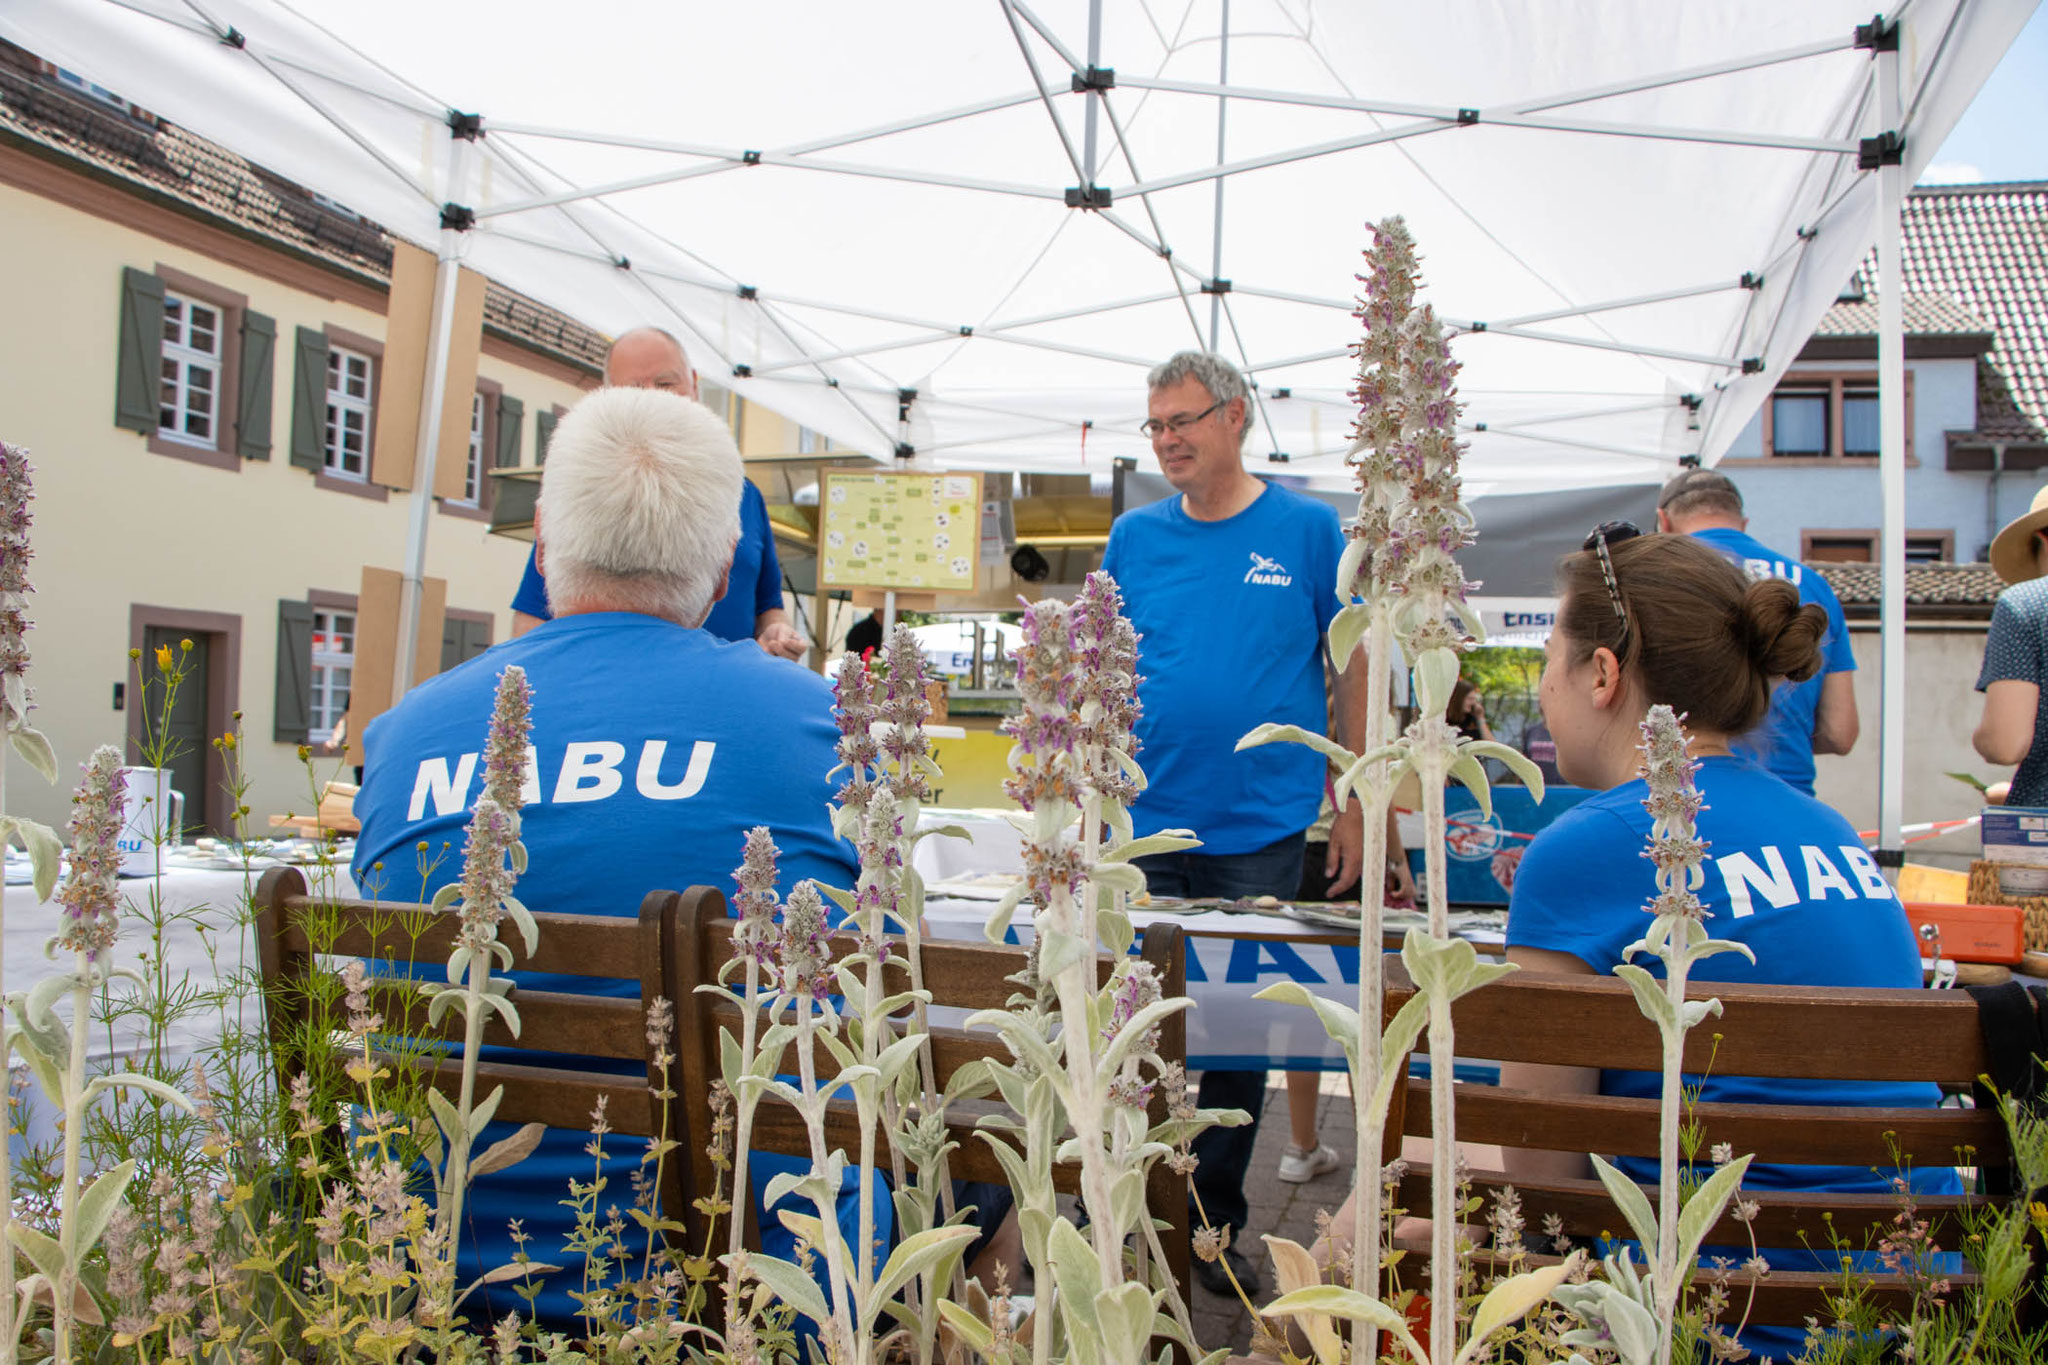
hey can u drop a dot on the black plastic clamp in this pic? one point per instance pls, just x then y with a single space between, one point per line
1283 393
905 451
1879 35
459 217
622 262
1475 326
468 127
1752 364
1278 457
1215 286
233 38
1088 197
1094 78
1888 857
966 331
1479 426
743 372
748 292
1691 461
750 158
1691 400
1886 149
1466 117
1751 280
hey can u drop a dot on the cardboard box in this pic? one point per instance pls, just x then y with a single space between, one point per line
2016 838
1970 933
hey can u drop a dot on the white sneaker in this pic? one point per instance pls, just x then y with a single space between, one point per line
1298 1167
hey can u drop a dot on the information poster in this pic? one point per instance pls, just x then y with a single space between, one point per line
901 531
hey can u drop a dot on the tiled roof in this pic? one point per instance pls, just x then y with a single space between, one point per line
1926 315
201 176
1984 250
1927 585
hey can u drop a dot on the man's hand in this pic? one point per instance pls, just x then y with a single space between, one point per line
1347 851
1400 879
781 639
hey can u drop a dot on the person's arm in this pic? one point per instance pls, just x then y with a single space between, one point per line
1400 877
1835 724
1347 832
774 633
1522 1164
2006 732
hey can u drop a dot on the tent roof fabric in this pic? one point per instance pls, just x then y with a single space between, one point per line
929 235
155 155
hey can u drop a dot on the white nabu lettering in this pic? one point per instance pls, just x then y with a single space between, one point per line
647 780
450 794
1868 873
1739 872
590 771
1822 876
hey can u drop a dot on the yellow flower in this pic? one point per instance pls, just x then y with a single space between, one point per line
163 657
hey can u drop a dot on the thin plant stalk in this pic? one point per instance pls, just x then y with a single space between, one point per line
814 1106
8 1347
74 1143
1373 800
1443 1187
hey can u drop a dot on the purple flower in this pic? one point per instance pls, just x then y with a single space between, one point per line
1673 803
505 749
854 709
756 900
804 951
89 895
16 492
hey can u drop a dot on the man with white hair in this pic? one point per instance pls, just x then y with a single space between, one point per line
655 745
751 608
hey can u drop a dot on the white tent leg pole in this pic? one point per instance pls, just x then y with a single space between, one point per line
1891 372
1088 137
888 612
1216 237
420 507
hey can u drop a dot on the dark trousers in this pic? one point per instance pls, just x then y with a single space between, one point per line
1225 1154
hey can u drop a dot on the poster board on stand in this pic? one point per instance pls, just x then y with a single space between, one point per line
897 531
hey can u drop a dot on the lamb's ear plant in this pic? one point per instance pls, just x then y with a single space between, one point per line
1636 1315
37 840
56 1052
1399 580
493 859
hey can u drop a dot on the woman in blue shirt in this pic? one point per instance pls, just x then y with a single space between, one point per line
1649 619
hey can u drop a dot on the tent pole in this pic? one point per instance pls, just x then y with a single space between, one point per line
1094 96
1216 236
420 507
1891 373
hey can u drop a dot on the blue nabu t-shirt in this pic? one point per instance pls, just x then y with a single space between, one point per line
654 750
1230 617
1788 877
2016 650
754 586
1783 741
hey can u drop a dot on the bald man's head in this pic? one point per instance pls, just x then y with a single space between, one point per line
649 358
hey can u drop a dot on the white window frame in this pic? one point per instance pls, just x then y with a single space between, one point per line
810 442
341 405
85 85
473 469
330 699
184 360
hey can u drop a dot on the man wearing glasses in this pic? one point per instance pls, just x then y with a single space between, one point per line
1230 588
1817 716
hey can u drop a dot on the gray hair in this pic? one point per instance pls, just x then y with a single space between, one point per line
640 506
1697 492
1221 378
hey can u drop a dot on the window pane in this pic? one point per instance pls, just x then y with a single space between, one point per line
1799 424
1860 423
1924 550
1839 550
200 379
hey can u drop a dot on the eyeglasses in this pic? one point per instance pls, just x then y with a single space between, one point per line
1154 428
1605 535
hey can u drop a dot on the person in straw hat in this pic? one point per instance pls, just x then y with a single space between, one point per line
2015 726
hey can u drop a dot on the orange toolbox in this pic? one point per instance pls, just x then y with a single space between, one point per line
1970 933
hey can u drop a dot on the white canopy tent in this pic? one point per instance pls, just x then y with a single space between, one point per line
958 232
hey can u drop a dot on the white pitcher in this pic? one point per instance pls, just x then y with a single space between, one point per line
143 822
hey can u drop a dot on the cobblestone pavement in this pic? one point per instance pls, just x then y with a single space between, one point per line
1278 1207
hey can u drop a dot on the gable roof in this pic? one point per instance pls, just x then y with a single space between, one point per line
155 157
1932 590
1975 259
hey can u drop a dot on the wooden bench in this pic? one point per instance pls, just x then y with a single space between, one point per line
1768 1031
960 974
293 929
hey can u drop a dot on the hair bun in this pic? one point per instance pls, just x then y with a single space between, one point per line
1781 636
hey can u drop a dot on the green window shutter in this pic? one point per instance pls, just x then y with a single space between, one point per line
543 432
462 641
511 431
139 370
309 400
293 716
253 385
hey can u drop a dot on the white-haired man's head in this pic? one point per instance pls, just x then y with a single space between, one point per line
650 358
639 507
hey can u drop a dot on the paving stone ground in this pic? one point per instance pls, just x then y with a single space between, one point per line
1276 1206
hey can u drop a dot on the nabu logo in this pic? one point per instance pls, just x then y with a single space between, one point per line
1268 571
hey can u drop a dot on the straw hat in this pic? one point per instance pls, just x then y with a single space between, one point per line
2012 552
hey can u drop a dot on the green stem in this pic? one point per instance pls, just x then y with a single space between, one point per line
455 1172
1675 971
1372 892
66 1288
1443 1184
821 1164
7 1324
743 1127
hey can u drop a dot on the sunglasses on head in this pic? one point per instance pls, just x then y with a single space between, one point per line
1606 534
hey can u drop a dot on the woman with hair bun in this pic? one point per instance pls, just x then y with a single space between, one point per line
1649 619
